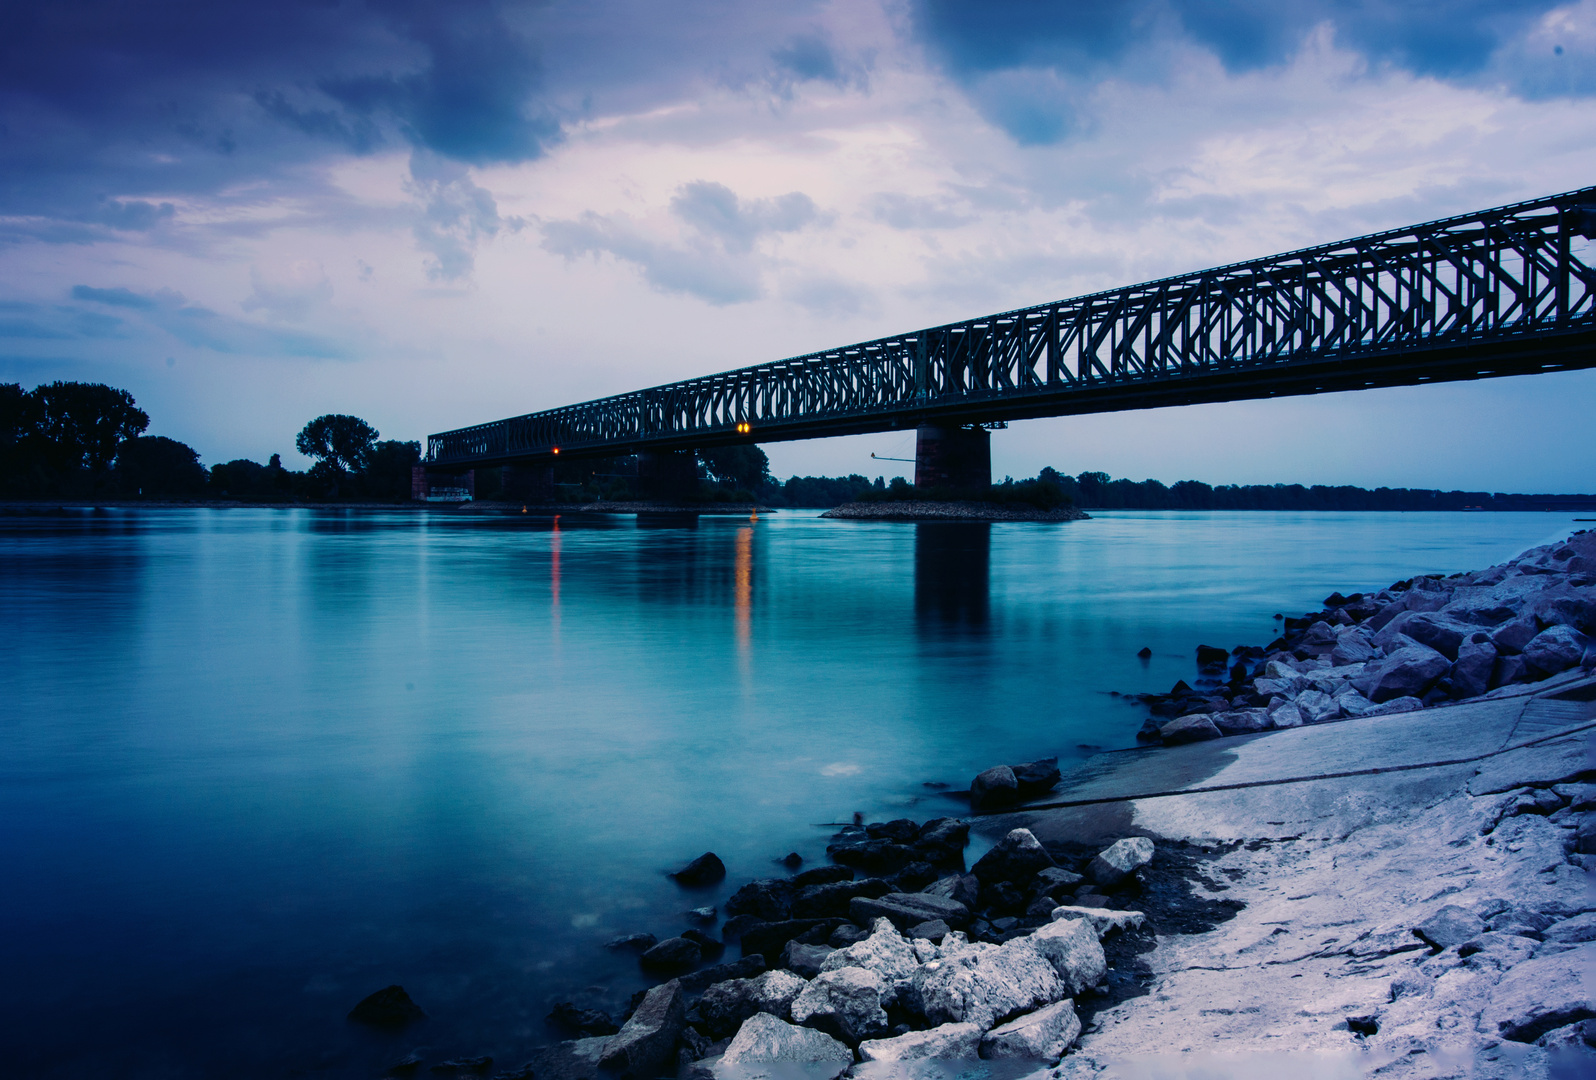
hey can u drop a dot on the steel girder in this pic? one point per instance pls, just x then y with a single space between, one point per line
1500 292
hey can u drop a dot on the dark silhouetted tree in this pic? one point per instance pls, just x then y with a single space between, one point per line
83 425
153 465
387 472
341 445
744 467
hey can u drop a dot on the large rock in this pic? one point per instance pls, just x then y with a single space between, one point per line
1017 857
769 939
1471 674
942 841
1103 921
648 1040
984 984
908 909
1317 707
704 870
571 1060
1043 1035
1452 925
884 952
994 789
845 1003
389 1009
768 898
763 1039
1186 729
1120 859
822 875
1072 947
1542 994
1243 721
1353 648
726 1005
820 901
963 888
945 1042
1511 637
1036 778
1438 632
1555 649
806 960
745 968
1408 672
673 954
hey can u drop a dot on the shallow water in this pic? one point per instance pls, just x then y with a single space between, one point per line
255 764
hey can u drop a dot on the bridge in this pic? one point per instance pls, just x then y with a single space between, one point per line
1506 291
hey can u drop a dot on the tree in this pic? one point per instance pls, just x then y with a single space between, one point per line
154 466
744 467
83 425
340 444
387 472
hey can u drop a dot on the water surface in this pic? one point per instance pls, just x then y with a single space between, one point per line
255 764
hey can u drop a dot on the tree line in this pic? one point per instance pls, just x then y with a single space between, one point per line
87 439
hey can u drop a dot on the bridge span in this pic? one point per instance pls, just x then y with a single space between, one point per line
1506 291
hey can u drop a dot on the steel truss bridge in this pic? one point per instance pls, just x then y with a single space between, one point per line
1508 291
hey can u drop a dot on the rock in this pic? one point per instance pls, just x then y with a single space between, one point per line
846 934
702 914
874 857
1036 778
844 1003
389 1008
962 888
1396 705
1317 707
1541 994
476 1066
1585 836
1017 858
884 953
984 984
726 1005
1438 632
1120 859
913 878
673 954
1471 674
1243 721
1043 1035
769 939
1287 715
1354 648
763 1039
945 1042
1071 946
1193 728
585 1022
1212 656
1511 637
792 860
767 898
1407 672
822 875
1555 649
1519 920
745 968
943 840
1144 652
898 830
648 1040
820 901
635 942
806 960
1573 931
704 870
1102 920
1452 925
930 930
994 789
1054 881
574 1060
908 909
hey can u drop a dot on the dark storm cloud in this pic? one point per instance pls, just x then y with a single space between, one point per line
1064 47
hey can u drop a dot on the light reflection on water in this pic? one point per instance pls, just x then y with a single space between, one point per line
257 763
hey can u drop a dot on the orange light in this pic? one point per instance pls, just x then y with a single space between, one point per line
556 449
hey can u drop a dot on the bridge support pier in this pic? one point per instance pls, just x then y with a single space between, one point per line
667 476
424 482
526 483
953 456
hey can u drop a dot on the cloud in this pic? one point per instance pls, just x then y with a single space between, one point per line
288 292
455 216
170 313
717 260
117 297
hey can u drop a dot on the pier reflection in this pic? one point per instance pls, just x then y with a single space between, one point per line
952 573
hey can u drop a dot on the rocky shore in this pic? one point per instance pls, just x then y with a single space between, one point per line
1425 642
1403 893
915 510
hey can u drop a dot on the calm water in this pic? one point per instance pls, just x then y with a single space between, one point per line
255 764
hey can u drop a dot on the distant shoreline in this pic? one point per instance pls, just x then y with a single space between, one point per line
916 510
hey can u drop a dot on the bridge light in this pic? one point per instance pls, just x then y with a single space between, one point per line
556 449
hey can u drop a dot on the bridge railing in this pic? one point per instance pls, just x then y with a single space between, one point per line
1513 272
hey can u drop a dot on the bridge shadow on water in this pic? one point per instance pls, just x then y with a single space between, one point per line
952 576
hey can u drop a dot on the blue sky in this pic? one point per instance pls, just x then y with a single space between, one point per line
435 214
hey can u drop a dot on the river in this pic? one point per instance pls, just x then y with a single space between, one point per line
257 763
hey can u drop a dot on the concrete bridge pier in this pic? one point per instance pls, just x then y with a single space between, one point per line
667 475
953 456
526 483
424 482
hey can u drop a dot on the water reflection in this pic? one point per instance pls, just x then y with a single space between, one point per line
952 573
743 592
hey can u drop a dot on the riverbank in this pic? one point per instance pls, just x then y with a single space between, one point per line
915 510
1400 893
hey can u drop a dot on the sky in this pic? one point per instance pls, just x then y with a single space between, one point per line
436 214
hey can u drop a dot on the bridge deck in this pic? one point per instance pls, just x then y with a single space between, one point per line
1507 291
